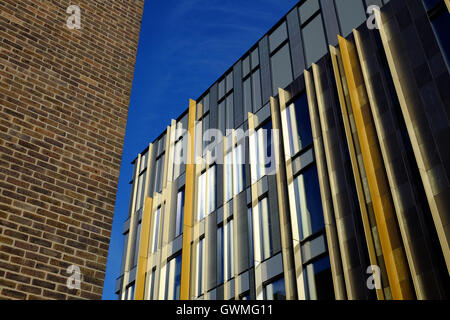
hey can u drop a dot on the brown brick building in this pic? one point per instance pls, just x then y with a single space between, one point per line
64 98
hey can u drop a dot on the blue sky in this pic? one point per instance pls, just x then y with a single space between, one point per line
185 46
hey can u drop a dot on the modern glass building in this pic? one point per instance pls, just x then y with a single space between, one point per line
332 179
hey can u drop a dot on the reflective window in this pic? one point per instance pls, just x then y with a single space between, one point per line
201 196
250 237
246 66
206 103
262 231
308 9
252 93
229 250
275 290
315 45
308 203
180 157
174 278
281 69
261 153
180 213
206 195
228 178
155 232
130 292
124 253
151 285
248 95
140 196
159 173
199 275
229 80
221 88
238 169
222 117
278 36
136 245
255 58
144 159
234 172
220 258
211 189
256 90
230 112
351 14
298 130
318 280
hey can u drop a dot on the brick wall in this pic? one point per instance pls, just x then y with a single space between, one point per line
64 98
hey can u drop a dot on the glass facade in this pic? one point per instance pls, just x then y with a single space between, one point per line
233 207
262 231
281 69
173 278
180 213
309 204
275 290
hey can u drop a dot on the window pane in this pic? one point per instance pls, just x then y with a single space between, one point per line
221 88
124 253
275 290
229 251
156 230
257 99
152 285
228 176
238 170
136 245
318 280
200 268
351 14
250 236
248 96
309 203
255 58
266 229
220 259
307 9
281 69
278 36
180 213
267 152
206 103
230 112
314 40
174 278
303 122
211 189
222 117
201 196
246 66
229 81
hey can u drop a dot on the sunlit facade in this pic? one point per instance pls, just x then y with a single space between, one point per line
339 189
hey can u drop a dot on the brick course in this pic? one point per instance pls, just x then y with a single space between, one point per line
64 98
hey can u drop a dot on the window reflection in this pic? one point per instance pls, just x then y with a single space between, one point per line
318 280
308 203
275 290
